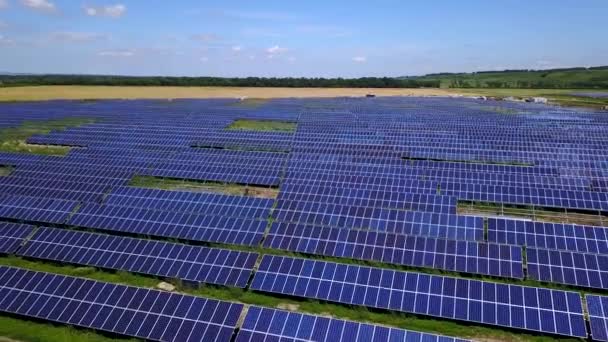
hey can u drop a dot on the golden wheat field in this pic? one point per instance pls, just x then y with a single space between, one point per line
40 93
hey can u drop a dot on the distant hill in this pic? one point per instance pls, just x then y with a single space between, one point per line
571 78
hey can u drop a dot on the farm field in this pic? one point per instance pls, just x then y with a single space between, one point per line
324 219
565 97
41 93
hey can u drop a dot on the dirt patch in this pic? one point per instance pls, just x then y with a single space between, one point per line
288 306
151 182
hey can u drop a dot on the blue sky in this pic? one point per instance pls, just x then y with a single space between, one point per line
299 38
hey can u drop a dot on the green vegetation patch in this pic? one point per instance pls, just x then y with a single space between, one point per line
5 170
543 214
14 139
204 186
263 125
251 103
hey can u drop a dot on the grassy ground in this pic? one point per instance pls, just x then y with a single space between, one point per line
263 125
202 186
487 209
14 139
360 314
5 170
558 96
40 93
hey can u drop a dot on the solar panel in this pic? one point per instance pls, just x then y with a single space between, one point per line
451 255
548 235
263 324
565 267
190 263
514 306
35 208
188 226
124 310
12 236
598 316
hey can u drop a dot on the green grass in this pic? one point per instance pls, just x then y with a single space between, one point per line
263 125
5 170
561 97
152 182
14 139
354 313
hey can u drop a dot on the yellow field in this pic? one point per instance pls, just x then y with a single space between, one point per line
102 92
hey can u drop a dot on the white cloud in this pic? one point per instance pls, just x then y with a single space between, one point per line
359 59
291 59
237 48
205 37
117 53
3 4
252 57
78 37
39 5
275 50
204 59
112 11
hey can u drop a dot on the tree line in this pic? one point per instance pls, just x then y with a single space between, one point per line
101 80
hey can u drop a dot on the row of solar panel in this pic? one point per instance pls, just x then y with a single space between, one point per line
514 306
394 221
451 255
162 316
168 224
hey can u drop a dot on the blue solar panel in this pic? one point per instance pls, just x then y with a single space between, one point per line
188 226
565 267
263 324
124 310
514 306
171 260
12 236
451 255
36 209
548 235
598 316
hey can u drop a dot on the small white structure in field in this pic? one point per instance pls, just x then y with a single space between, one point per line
165 286
537 100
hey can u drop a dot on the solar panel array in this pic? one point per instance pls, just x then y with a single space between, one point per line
12 235
598 316
369 180
419 251
513 306
126 310
176 261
